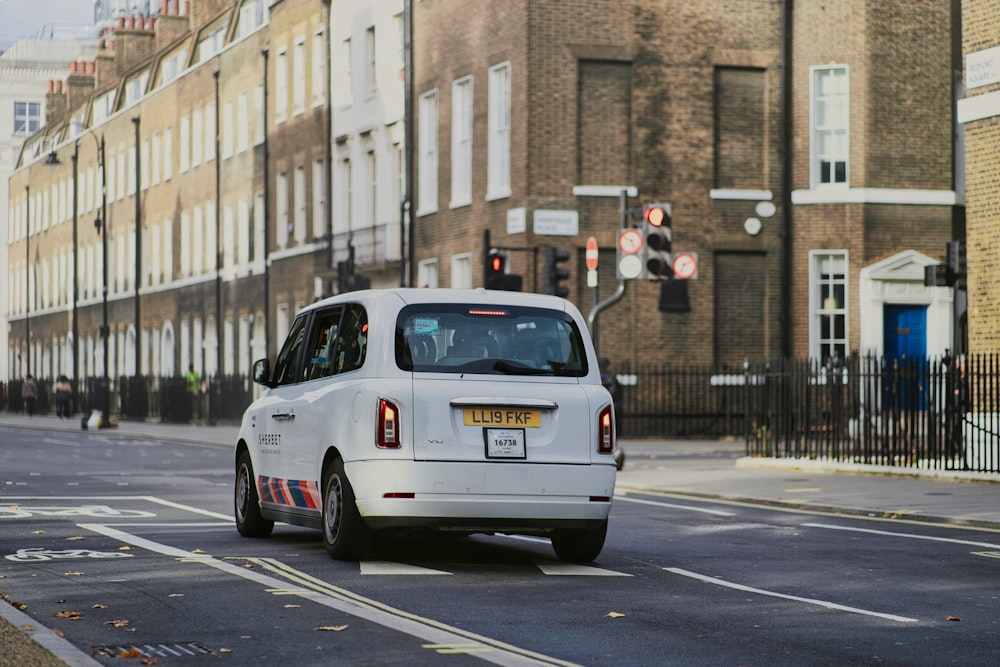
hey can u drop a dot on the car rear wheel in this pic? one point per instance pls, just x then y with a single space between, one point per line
580 545
346 536
249 521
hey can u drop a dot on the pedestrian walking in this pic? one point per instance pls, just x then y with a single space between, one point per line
29 393
64 395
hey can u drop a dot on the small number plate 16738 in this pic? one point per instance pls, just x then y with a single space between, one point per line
504 443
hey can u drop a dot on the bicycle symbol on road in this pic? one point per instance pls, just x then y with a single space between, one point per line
91 511
36 554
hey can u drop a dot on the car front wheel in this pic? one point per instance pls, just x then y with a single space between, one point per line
580 545
249 521
346 536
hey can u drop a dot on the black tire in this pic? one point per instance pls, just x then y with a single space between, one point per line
249 521
346 536
579 545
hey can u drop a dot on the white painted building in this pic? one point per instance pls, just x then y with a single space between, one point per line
368 166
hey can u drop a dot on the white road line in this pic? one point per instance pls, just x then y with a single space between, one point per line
151 499
426 629
703 510
991 545
390 567
551 567
761 591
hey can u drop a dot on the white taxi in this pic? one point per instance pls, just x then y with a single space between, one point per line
462 411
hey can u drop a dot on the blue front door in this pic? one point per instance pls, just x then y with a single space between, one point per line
905 331
905 344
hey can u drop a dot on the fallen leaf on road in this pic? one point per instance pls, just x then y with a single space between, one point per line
73 574
176 595
952 618
616 614
149 661
125 548
99 606
121 623
198 551
225 650
38 532
73 615
292 606
28 628
131 653
59 633
247 566
332 628
75 538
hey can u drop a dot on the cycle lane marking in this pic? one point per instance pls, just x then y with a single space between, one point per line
912 536
795 598
436 633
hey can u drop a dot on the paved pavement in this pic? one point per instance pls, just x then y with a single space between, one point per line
707 468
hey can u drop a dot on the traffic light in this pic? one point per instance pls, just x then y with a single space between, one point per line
657 238
955 251
552 274
493 272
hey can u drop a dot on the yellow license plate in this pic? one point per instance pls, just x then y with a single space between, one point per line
503 417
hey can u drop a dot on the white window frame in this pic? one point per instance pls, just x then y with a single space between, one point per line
427 273
281 207
210 132
228 130
498 132
259 115
300 202
242 123
829 123
461 271
299 75
372 169
319 198
371 62
461 142
168 153
197 137
829 278
185 139
281 87
318 67
428 143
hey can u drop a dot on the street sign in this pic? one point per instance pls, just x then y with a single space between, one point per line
630 241
685 265
591 254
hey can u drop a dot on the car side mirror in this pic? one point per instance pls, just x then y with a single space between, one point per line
262 372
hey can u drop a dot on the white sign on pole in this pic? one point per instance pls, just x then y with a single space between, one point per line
556 223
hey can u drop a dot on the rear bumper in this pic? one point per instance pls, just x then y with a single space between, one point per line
473 496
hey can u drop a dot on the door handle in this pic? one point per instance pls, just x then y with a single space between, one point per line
283 416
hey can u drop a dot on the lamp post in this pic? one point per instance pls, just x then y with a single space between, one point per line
101 225
76 287
27 273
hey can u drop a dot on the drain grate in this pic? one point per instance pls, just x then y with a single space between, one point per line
152 650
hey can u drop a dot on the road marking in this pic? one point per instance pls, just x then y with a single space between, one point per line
987 554
390 567
334 597
557 568
451 649
795 598
991 545
704 510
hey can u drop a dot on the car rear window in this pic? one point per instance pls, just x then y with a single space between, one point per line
474 338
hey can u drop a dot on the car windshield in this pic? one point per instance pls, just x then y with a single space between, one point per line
473 338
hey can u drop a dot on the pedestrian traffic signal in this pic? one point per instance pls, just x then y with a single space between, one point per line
657 237
552 274
493 271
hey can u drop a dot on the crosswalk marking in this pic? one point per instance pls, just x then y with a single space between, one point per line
557 568
547 567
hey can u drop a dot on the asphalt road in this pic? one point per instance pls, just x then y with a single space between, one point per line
125 544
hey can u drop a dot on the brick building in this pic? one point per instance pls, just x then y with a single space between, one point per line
532 116
184 117
979 113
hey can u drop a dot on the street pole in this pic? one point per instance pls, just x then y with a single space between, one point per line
102 227
138 251
27 272
76 286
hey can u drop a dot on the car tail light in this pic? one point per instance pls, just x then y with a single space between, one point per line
387 434
605 431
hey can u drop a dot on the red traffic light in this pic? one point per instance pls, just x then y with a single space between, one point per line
656 215
496 263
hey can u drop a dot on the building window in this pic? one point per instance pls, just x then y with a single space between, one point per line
318 68
301 203
299 76
828 304
461 271
197 137
346 185
345 81
370 78
281 87
210 132
168 153
185 139
27 117
830 119
498 166
427 273
461 142
281 231
372 189
258 115
428 143
228 129
319 199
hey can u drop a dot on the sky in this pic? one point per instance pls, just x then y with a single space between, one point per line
28 18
